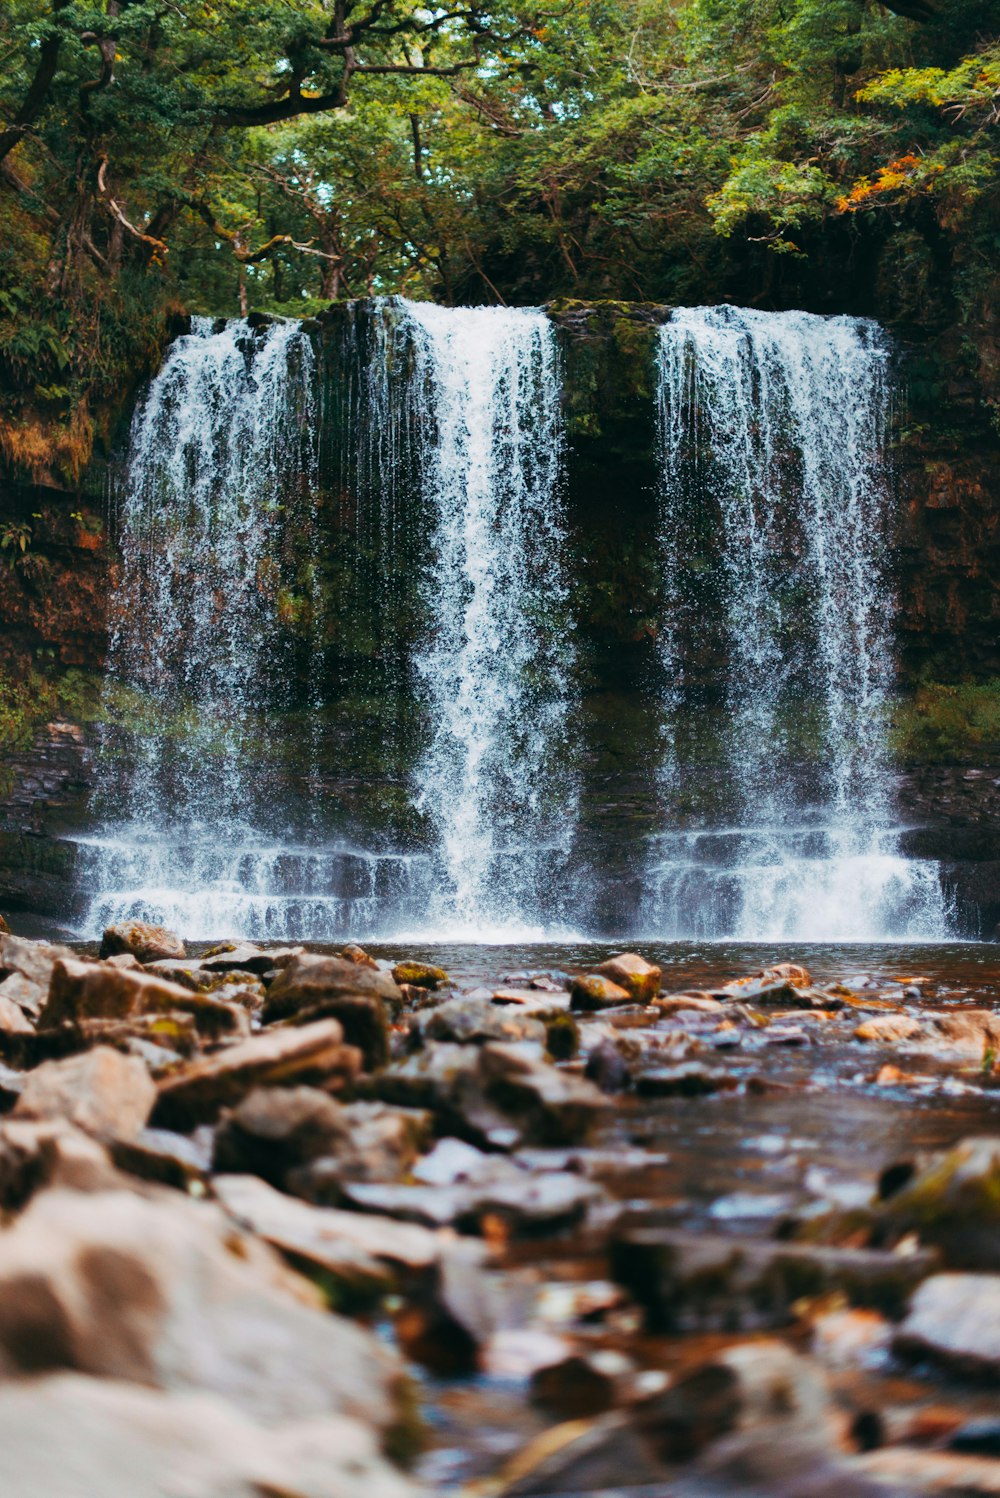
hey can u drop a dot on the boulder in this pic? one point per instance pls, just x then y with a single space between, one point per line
276 1128
163 1156
34 960
475 1021
145 943
123 1441
310 979
638 977
420 974
245 957
36 1155
312 1054
597 992
362 1018
353 953
955 1319
888 1029
101 1091
164 1291
974 1033
26 994
382 1144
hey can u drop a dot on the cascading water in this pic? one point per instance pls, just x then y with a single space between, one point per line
493 667
774 521
220 478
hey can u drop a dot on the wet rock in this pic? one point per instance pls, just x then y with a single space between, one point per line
631 972
595 992
102 1092
13 1020
172 1036
785 984
188 972
979 1437
126 961
686 1080
952 1200
358 1250
162 1290
499 1095
91 990
955 1319
907 1473
714 1282
539 1001
362 1017
145 943
475 1021
312 1054
420 974
276 1128
309 980
127 1441
888 1029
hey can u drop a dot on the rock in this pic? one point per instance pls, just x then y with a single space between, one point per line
121 1440
888 1029
955 1319
160 1155
583 1384
34 960
607 1068
474 1021
126 961
309 980
52 1153
362 1018
91 990
28 996
597 992
359 1251
909 1473
101 1092
604 1456
952 1201
531 1000
972 1032
715 1282
276 1128
631 972
353 953
13 1020
686 1080
162 1290
545 1203
188 972
245 957
314 1053
145 943
698 1003
785 984
420 974
502 1096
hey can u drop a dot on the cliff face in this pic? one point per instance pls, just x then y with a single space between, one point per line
54 595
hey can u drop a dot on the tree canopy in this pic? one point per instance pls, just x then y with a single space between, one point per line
209 155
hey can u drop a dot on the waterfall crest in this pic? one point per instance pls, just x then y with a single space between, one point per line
775 527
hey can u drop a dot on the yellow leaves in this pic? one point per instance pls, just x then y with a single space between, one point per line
906 171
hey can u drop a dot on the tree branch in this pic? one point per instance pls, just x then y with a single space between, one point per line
38 89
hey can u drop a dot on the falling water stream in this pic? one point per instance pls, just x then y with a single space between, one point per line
774 532
775 519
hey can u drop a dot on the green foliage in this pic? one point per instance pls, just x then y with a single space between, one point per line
947 722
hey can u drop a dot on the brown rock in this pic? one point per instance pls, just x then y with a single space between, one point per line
950 1199
93 990
144 942
312 1053
128 1441
699 1003
46 1154
276 1128
597 992
309 980
362 1018
353 953
634 973
972 1032
34 960
13 1020
28 996
101 1091
248 958
161 1290
888 1029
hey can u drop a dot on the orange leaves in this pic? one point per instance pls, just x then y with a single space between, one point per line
906 171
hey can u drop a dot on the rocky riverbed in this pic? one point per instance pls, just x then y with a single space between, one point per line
315 1222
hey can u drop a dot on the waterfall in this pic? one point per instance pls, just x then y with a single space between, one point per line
493 666
774 536
215 531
